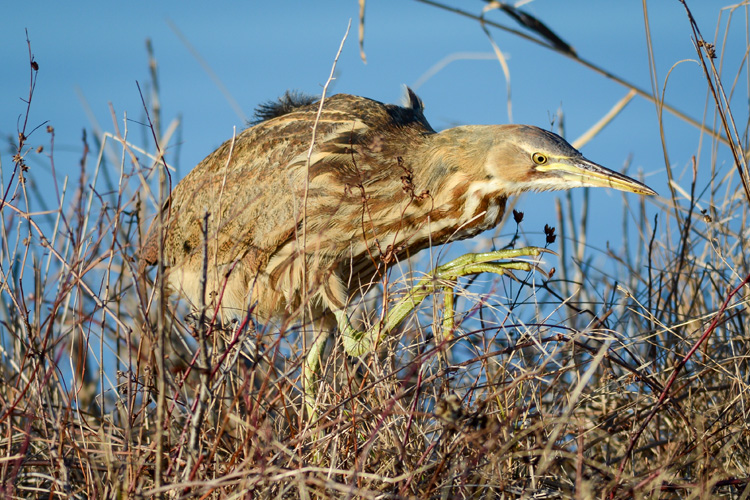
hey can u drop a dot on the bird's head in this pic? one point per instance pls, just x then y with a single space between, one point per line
525 158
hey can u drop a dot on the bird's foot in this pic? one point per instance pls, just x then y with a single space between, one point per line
358 343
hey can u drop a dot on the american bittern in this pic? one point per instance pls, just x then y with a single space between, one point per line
291 228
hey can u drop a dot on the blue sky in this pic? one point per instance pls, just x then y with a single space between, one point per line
92 53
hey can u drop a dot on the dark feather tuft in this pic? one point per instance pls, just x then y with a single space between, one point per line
413 101
285 104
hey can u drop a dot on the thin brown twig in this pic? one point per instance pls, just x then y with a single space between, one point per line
665 393
706 54
590 65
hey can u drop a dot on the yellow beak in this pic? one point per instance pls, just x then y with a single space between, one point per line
586 173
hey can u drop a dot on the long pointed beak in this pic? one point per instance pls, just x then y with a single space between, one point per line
588 174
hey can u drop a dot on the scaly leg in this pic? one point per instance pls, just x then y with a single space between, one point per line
311 371
357 343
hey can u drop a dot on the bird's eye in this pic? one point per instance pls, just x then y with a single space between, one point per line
539 158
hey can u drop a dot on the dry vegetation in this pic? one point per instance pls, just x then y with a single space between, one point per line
582 385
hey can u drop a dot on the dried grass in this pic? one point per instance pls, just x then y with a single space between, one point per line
624 383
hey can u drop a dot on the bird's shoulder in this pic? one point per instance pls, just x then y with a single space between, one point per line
294 110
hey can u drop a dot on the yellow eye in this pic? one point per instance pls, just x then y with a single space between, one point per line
539 158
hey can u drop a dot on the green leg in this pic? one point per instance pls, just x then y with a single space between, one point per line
359 343
311 371
444 334
449 311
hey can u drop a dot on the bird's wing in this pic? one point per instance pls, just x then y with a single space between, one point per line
254 187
